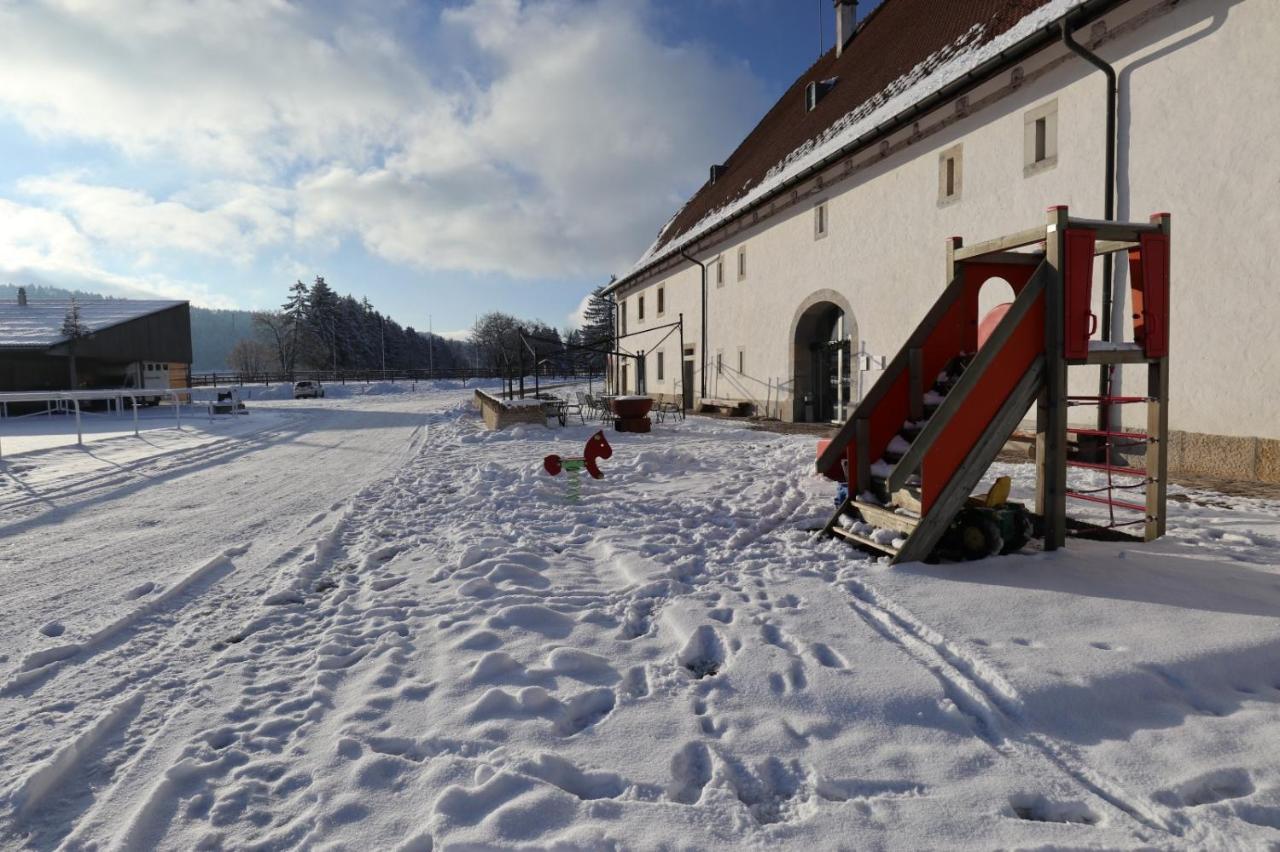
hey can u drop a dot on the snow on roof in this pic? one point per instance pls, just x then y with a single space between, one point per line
979 42
38 324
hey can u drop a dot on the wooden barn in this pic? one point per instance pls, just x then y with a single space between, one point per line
123 343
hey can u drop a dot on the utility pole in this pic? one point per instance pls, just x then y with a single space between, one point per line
431 346
382 337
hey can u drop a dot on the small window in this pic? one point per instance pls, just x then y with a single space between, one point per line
719 363
640 308
720 271
622 312
820 221
742 262
662 299
950 175
742 362
811 96
660 366
1040 139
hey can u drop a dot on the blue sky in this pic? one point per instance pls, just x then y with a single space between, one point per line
441 158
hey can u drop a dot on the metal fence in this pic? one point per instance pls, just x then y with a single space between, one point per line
68 402
369 376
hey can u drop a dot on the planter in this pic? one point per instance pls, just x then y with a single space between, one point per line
631 407
632 424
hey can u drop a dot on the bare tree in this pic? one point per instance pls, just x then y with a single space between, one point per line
250 357
282 333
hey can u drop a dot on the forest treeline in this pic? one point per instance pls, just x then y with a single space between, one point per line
316 328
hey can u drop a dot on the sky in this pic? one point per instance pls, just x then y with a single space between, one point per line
442 159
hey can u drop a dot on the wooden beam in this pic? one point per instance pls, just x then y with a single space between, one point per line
850 535
881 517
1114 231
1158 429
1116 356
920 544
1031 236
1157 448
1051 412
956 399
1019 258
1109 246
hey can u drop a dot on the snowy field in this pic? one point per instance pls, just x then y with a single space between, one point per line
366 623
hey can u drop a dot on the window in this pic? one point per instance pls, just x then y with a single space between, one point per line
742 361
950 175
820 221
719 362
720 271
742 262
1040 139
640 308
662 299
622 312
660 366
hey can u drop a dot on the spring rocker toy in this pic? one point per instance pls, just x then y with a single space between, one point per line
597 448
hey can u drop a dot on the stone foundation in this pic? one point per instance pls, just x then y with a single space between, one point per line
499 413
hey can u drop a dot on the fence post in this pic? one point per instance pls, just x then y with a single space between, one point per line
134 400
79 433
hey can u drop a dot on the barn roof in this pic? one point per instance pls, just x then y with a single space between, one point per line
902 53
38 324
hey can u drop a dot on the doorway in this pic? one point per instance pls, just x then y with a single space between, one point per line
824 369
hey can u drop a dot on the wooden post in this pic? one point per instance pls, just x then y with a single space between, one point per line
1051 410
953 245
1158 430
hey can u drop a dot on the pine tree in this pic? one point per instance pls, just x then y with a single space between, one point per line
74 330
597 326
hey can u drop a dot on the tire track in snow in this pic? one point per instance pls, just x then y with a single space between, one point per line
986 698
161 650
308 629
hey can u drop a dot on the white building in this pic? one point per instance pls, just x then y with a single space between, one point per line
824 232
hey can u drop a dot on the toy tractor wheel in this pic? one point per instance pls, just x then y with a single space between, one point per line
1023 531
978 535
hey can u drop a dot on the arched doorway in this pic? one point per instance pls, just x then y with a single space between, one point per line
822 359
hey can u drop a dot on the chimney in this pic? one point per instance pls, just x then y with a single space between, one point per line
846 17
22 295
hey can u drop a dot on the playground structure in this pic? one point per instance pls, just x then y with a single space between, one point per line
921 440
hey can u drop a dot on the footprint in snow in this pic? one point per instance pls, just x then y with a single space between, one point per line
1207 789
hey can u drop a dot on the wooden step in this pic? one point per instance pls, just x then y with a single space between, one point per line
850 535
886 518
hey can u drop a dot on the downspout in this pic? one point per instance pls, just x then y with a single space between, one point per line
1109 203
702 346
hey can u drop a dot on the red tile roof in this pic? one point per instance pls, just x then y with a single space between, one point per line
890 43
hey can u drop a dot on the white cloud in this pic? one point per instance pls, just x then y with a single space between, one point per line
558 153
221 220
39 246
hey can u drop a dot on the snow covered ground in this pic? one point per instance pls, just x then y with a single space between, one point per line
370 624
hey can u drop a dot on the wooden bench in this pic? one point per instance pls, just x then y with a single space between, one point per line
731 407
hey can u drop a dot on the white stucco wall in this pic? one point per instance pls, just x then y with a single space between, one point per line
1198 125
